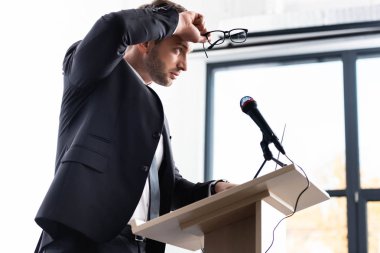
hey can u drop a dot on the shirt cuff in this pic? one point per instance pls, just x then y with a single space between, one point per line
211 187
212 184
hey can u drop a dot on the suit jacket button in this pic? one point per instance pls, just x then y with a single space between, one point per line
145 168
156 135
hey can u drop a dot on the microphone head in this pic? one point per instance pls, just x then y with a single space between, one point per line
247 103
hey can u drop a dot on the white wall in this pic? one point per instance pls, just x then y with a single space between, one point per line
34 38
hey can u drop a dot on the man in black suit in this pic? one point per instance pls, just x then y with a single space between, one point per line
113 133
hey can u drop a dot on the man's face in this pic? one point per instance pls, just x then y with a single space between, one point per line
166 59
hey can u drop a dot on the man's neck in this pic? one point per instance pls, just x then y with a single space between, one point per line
135 61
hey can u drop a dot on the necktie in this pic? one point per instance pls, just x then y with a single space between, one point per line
154 190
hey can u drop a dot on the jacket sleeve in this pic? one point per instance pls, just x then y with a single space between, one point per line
94 57
186 192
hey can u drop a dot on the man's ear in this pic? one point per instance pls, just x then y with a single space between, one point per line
145 47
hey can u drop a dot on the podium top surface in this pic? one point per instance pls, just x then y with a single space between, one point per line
186 226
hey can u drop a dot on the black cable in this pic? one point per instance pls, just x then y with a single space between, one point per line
282 139
295 206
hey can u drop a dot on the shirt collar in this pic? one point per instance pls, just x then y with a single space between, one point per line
137 74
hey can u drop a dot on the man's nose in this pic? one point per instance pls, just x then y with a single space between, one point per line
182 64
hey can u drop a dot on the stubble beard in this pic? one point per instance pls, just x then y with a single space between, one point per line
156 68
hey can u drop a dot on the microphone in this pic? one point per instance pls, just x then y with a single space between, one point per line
249 106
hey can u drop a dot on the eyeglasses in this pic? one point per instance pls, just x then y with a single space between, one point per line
217 37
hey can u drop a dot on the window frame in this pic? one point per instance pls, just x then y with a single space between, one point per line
356 197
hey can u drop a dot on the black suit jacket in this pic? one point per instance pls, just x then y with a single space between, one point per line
110 125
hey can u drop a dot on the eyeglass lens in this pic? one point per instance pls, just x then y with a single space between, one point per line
216 37
238 35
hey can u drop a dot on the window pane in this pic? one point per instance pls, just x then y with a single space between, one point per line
307 97
368 106
321 228
373 214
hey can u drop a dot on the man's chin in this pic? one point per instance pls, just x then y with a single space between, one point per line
166 83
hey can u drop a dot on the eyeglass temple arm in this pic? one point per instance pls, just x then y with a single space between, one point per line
204 49
215 43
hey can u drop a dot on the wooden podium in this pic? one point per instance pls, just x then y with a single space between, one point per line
231 221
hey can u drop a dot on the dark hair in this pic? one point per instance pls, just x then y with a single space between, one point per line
157 3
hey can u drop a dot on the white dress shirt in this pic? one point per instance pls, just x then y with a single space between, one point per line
142 209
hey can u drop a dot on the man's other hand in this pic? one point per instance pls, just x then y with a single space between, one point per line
222 186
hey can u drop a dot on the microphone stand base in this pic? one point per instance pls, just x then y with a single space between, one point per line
262 165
